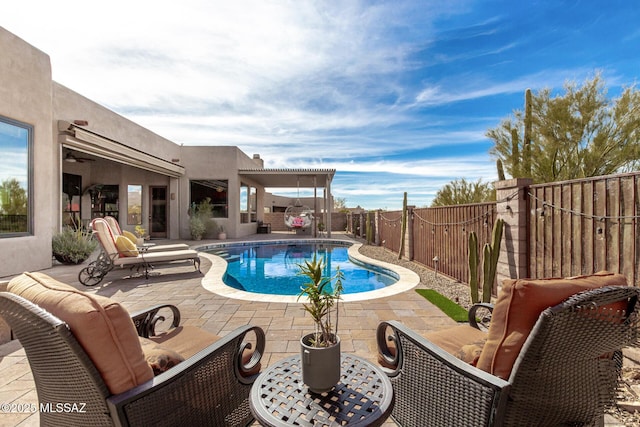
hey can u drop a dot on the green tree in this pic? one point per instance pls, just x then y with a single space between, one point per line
339 204
461 192
579 134
13 198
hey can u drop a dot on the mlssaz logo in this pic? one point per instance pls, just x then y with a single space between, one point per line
66 407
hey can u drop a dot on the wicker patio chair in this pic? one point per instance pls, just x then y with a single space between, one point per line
209 388
566 373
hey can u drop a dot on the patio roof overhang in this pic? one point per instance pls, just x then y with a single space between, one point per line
296 178
88 142
287 178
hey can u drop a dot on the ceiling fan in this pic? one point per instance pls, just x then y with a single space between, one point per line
71 158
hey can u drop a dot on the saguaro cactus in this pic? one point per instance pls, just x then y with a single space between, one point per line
472 251
527 133
491 255
369 228
501 176
404 226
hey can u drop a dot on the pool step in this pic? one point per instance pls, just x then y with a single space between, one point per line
226 255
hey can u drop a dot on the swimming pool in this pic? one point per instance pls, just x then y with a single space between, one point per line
213 278
273 268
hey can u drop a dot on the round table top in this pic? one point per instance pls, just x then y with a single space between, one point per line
363 397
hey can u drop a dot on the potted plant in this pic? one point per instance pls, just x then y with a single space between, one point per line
320 350
72 245
221 234
141 233
197 227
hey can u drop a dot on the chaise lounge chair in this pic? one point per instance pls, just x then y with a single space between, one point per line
117 231
120 251
552 356
94 364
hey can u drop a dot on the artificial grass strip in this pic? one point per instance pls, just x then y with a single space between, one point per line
449 307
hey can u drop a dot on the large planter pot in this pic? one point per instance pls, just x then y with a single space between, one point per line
320 365
65 259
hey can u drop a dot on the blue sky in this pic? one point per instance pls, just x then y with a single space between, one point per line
395 95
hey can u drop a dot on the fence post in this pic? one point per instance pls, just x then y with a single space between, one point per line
511 206
377 227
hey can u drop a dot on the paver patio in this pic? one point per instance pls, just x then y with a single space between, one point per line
283 323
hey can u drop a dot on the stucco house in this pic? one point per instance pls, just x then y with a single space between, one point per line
69 159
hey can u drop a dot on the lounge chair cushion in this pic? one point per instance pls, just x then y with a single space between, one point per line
517 309
126 248
159 358
102 326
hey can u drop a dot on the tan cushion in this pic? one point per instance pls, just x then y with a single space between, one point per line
188 340
517 309
160 359
102 326
126 247
463 341
185 340
129 235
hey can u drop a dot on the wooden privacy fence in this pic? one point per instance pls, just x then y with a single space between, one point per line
556 229
440 236
583 226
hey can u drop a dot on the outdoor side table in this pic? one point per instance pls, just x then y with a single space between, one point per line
363 397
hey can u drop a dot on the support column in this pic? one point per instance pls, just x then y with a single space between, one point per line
511 206
328 204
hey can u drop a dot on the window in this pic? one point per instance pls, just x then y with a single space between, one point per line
134 204
104 200
248 204
215 189
16 199
71 205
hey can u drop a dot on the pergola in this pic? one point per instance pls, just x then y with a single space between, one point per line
297 178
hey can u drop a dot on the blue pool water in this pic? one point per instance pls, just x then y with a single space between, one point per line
272 268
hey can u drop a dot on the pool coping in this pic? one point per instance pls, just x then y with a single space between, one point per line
213 282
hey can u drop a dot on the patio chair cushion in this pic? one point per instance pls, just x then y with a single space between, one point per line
188 340
102 326
463 341
126 248
185 340
159 358
517 309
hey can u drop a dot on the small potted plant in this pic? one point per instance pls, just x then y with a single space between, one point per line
141 233
320 350
221 233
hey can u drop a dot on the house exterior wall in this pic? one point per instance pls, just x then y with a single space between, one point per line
222 163
29 95
26 96
69 105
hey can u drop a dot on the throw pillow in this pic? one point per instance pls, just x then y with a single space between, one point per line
126 248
